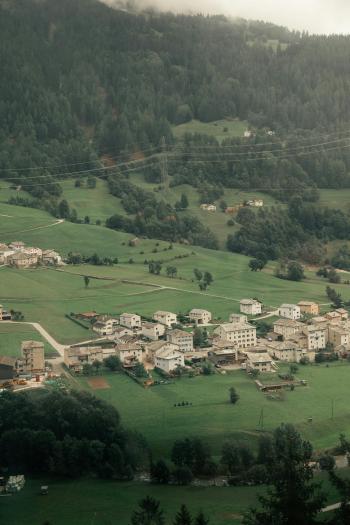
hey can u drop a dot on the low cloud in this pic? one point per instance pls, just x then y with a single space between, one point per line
316 16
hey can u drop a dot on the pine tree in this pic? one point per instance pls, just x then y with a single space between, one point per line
183 517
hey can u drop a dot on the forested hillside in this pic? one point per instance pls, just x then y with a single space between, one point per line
88 86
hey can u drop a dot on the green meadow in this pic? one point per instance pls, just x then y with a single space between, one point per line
220 129
12 335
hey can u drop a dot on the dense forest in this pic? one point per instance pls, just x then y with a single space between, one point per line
88 87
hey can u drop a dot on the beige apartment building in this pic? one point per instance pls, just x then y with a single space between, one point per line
287 327
166 318
308 307
33 357
200 316
243 334
184 340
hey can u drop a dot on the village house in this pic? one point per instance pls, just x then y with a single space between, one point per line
22 260
17 245
121 332
260 361
287 327
250 306
152 348
308 307
31 250
242 334
223 352
153 331
255 203
130 320
4 314
344 313
106 326
320 320
5 252
7 368
168 359
316 336
200 316
129 354
287 351
289 311
333 317
166 318
32 360
208 207
238 318
51 257
184 340
337 335
75 357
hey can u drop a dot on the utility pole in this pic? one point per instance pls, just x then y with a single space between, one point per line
164 164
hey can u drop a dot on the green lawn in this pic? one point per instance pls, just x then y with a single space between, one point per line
335 199
235 128
97 203
97 502
11 336
16 219
215 420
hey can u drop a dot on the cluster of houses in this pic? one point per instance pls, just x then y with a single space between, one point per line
254 203
31 363
18 255
299 333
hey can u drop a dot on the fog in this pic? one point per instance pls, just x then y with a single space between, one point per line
316 16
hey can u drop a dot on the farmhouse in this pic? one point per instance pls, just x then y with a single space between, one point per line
320 320
168 359
121 332
288 351
243 334
208 207
255 203
33 359
289 311
22 260
129 353
51 257
260 361
17 245
5 252
106 326
223 352
153 330
184 340
250 306
200 316
30 250
4 314
287 327
344 313
7 368
308 307
130 320
75 357
166 318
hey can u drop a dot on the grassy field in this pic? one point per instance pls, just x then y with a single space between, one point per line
336 199
97 203
97 502
234 128
214 419
11 336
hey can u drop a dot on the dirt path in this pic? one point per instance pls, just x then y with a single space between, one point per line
56 223
57 346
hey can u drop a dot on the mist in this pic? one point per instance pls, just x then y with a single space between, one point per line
315 16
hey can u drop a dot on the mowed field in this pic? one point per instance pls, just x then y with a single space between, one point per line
220 129
12 335
215 420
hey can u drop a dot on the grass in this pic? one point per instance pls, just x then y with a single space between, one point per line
235 128
215 420
97 203
335 199
12 335
100 502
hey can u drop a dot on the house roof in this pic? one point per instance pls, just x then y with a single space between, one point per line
234 327
32 344
342 311
259 358
168 354
129 316
223 343
288 322
307 303
163 313
249 301
127 347
157 345
179 333
199 311
21 256
286 305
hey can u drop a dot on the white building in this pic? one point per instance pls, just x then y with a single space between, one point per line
168 359
250 307
289 311
238 318
287 327
153 330
130 320
244 334
184 340
105 327
260 361
200 316
129 353
166 318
